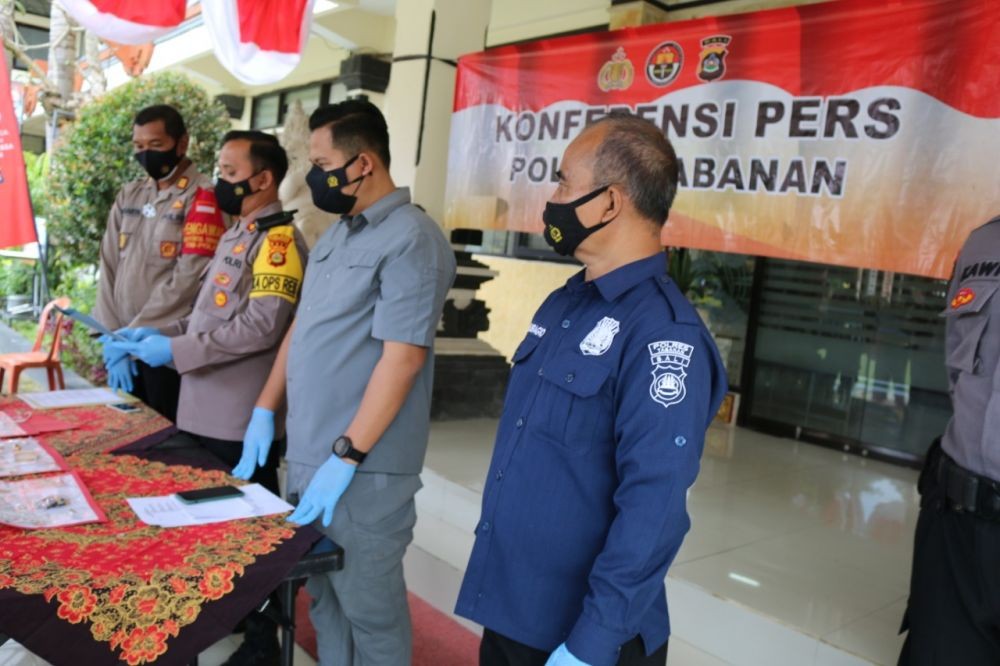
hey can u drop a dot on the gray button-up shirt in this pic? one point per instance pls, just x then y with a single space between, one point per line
972 347
382 275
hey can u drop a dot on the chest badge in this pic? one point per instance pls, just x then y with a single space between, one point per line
669 358
222 279
149 211
168 249
177 205
599 340
221 299
238 248
963 297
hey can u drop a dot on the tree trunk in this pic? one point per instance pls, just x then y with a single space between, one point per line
62 70
8 29
94 72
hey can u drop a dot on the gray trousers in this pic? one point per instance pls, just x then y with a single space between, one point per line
360 613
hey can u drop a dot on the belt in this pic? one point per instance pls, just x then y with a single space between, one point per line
967 492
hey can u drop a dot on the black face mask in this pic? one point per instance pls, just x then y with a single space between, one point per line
230 196
158 163
563 230
327 188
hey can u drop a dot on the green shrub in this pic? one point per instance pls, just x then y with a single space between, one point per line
94 158
16 277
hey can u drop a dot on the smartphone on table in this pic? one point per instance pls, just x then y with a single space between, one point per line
209 494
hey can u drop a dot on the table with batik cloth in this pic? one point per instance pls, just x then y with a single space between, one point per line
122 591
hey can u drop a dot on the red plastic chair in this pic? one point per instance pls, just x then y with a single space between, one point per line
18 362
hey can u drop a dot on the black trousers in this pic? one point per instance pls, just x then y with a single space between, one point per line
953 614
497 650
159 388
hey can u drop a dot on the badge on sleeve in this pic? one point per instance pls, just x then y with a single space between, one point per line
277 270
669 358
203 226
599 340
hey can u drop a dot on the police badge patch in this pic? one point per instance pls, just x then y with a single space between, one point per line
599 340
669 358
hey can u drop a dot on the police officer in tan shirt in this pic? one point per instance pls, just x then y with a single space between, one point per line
225 348
162 231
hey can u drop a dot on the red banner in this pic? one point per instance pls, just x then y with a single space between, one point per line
854 132
17 225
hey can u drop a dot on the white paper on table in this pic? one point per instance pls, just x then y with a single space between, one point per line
168 511
9 427
26 455
74 398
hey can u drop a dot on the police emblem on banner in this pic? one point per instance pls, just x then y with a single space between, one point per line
617 73
663 65
669 359
712 62
599 340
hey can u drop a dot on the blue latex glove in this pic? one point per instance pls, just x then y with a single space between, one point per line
323 492
256 443
154 351
563 657
120 374
136 334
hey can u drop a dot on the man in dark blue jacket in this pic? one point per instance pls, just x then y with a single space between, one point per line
603 426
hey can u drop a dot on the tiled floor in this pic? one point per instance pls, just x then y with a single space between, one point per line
808 549
797 555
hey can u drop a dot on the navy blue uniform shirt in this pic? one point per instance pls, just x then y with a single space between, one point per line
603 426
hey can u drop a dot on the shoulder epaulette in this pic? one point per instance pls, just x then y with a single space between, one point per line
275 220
684 312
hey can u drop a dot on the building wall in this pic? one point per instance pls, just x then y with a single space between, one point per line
515 294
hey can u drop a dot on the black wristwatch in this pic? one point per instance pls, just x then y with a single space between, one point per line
343 447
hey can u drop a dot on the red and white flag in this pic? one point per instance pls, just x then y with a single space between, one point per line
127 21
17 222
258 41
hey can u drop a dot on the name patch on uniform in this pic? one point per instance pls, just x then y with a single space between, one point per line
599 340
203 226
277 270
669 358
981 269
536 330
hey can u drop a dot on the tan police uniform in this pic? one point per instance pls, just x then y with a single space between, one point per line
225 349
148 276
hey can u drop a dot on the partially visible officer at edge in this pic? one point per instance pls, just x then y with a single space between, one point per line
358 369
602 429
953 614
224 350
161 233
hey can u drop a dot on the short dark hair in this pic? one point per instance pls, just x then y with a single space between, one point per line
265 152
636 154
355 125
173 122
